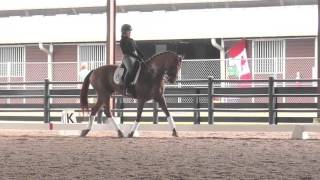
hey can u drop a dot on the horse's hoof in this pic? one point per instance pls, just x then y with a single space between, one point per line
120 134
84 132
174 133
130 135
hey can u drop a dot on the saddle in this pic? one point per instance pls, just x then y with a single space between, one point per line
120 72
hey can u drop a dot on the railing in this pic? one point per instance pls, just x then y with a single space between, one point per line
172 91
271 92
214 89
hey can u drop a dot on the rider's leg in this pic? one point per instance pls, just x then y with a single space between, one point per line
129 64
135 71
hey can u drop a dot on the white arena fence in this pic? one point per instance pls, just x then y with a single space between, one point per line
298 131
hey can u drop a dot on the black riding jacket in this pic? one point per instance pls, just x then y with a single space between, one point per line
129 47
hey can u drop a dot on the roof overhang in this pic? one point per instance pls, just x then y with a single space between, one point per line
185 24
71 7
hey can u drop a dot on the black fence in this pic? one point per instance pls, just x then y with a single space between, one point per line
203 104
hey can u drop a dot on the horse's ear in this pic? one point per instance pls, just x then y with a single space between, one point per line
180 57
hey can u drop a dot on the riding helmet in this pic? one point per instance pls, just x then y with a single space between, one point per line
125 28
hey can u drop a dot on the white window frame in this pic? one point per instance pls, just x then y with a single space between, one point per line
277 55
16 57
91 56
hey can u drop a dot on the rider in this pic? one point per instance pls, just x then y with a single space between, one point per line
131 56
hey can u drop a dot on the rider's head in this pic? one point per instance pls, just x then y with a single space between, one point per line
126 30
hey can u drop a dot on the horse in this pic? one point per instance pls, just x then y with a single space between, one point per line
149 85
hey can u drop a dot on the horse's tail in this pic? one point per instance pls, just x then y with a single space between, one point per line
84 92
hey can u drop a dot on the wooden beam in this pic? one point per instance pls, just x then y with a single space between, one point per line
111 35
111 31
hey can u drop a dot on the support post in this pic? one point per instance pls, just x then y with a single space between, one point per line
46 101
272 102
318 64
111 35
210 103
111 31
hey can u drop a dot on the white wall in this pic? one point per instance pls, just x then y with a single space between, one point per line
185 24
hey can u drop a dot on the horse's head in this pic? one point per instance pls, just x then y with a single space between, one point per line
166 64
173 67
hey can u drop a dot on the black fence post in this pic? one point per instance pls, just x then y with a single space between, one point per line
117 104
210 103
318 97
196 102
46 101
155 112
272 102
121 106
99 117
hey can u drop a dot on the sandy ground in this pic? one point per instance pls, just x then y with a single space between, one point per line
41 155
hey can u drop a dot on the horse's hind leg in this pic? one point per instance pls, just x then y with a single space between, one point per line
136 123
163 105
109 116
94 111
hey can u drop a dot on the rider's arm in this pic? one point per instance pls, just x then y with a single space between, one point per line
140 54
135 51
128 47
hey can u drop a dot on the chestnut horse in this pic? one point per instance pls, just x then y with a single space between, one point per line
150 85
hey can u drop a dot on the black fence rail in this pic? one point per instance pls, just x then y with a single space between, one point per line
203 100
271 92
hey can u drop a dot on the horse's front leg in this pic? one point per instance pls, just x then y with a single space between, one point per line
136 123
163 105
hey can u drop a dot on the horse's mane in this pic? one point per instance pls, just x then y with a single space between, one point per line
156 55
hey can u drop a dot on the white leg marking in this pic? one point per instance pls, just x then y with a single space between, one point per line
91 118
116 125
171 122
135 126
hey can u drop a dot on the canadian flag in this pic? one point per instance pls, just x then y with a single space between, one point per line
238 57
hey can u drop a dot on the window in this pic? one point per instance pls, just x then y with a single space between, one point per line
268 56
12 61
93 55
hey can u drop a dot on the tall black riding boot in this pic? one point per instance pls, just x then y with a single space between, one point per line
130 90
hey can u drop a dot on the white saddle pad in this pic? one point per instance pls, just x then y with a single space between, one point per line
117 77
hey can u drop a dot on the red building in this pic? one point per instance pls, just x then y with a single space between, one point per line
281 37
